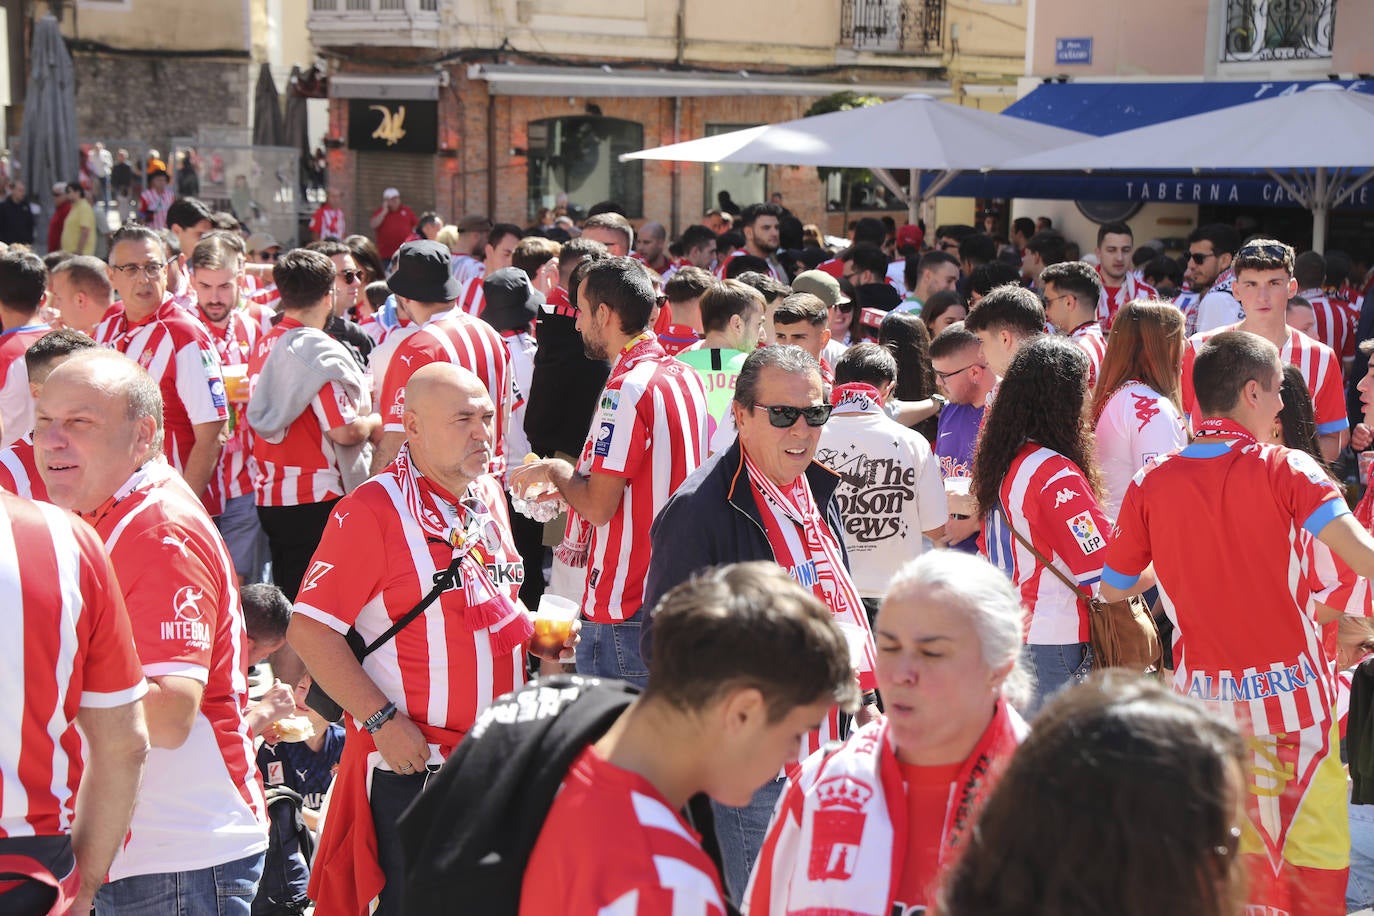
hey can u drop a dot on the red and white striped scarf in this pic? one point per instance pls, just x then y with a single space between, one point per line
475 535
804 545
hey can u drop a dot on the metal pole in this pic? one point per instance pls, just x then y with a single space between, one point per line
1320 210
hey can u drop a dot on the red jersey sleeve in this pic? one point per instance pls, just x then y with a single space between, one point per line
1304 489
623 431
1067 515
111 673
1129 551
173 597
1328 401
1188 396
348 568
334 407
200 381
415 351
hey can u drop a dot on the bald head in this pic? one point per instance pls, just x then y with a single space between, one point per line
653 242
448 422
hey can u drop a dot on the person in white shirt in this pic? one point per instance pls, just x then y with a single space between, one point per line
891 491
1136 410
1209 303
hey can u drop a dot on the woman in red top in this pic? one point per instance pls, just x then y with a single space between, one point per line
867 829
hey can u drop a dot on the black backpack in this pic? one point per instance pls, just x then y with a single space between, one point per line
290 850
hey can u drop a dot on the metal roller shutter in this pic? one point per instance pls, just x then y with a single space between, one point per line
410 173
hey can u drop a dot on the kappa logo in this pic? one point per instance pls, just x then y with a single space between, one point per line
314 574
178 543
1064 496
186 603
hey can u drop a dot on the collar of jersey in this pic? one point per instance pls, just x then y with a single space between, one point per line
1205 449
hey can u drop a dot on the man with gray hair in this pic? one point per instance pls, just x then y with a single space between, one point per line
766 498
200 825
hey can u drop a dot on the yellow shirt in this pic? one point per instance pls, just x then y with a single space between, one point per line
81 215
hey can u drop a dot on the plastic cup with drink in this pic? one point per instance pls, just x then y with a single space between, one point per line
957 495
236 383
553 624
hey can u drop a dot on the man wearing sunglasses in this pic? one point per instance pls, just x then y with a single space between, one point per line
1208 303
764 498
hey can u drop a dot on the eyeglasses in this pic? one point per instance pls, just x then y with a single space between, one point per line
946 376
845 306
1276 252
1199 257
1049 300
784 417
351 276
150 270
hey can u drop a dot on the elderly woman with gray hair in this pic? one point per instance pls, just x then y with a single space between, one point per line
869 828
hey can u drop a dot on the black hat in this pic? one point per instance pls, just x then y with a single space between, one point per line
510 301
424 272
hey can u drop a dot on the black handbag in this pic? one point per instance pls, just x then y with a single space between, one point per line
323 703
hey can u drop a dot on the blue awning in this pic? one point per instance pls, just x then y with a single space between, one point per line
1108 108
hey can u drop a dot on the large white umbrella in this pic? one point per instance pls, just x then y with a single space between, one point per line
1314 143
916 132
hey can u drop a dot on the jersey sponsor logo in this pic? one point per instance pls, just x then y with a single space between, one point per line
178 543
217 397
610 401
506 574
805 573
603 439
345 405
340 516
1146 409
314 574
145 359
1064 496
1085 531
405 357
276 773
1227 688
1305 465
839 828
186 603
188 626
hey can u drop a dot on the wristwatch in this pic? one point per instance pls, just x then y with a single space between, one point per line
940 401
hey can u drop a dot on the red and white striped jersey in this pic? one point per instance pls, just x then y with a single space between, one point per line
19 470
659 867
1320 369
466 267
1089 336
201 803
650 429
69 646
263 293
301 468
179 355
474 297
1335 322
153 205
1047 500
373 565
234 344
16 404
1114 297
328 223
456 338
1238 586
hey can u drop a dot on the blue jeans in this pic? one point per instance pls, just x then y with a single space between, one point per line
1056 667
243 535
740 833
611 650
1359 889
219 890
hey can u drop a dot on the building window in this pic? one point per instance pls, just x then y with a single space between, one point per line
744 182
575 162
1268 30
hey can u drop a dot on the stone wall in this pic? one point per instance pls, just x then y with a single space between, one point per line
154 99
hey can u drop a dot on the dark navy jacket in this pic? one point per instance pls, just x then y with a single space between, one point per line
713 519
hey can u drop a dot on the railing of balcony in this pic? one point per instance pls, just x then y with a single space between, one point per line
370 6
892 25
1272 30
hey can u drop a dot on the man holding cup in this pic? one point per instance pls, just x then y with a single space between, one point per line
216 279
433 510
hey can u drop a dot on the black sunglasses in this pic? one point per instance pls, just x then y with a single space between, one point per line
784 417
352 276
845 306
1198 257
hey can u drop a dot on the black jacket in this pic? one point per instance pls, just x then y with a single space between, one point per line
469 835
564 389
16 222
713 519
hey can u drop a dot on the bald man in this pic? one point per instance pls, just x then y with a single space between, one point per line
652 248
432 524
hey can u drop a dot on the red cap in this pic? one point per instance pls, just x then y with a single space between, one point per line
911 235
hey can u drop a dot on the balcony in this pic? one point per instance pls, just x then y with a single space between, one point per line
892 26
1259 31
385 23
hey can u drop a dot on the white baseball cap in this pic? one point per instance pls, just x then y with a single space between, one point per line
390 192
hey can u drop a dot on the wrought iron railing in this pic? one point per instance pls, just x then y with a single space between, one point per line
1269 30
892 25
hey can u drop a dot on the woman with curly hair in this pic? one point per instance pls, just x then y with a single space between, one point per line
1036 480
1136 412
1125 799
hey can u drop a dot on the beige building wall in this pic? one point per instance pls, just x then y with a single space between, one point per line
161 24
1160 38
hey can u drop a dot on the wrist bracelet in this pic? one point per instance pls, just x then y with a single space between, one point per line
374 722
869 698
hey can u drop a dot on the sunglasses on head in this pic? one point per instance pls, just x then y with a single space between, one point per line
783 417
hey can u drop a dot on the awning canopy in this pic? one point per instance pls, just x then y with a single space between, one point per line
611 82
